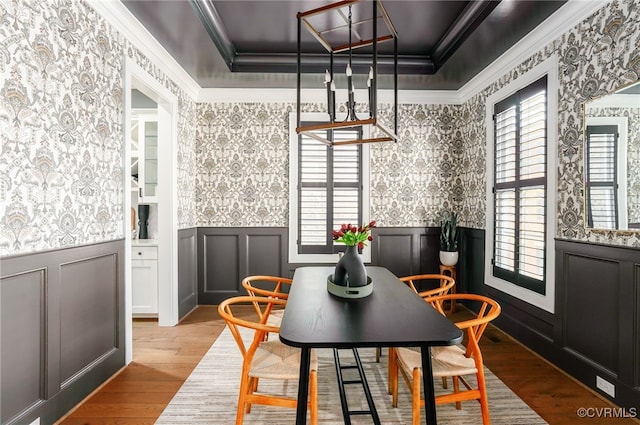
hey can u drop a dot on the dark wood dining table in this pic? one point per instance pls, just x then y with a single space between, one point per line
392 316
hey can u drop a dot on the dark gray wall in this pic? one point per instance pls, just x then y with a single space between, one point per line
187 271
227 255
595 330
62 328
597 323
406 251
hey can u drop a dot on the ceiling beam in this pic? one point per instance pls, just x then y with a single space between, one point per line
470 18
215 28
318 63
464 25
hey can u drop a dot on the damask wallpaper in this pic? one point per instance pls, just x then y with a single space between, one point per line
61 126
596 57
62 154
243 165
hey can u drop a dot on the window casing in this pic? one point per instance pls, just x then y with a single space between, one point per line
514 185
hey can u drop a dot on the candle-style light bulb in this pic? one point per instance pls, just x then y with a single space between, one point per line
327 84
370 91
349 81
333 86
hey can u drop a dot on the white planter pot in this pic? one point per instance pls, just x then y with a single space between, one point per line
449 258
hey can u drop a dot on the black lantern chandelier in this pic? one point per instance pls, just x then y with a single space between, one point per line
365 30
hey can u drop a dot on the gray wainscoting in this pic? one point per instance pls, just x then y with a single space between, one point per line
598 304
226 255
406 251
62 328
187 271
595 330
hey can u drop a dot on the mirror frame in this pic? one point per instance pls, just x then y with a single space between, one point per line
585 107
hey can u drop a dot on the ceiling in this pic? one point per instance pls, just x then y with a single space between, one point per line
252 43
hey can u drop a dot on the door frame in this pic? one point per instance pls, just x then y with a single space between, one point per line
137 78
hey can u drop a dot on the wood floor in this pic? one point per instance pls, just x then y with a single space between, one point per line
164 357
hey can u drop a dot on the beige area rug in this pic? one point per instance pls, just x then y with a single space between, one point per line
209 395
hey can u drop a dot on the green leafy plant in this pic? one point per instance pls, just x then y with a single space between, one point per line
354 236
449 233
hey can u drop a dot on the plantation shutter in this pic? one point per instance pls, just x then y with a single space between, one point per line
601 176
520 124
330 189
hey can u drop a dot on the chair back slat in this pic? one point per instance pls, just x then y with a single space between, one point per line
445 284
265 286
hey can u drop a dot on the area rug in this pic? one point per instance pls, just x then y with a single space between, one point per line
210 393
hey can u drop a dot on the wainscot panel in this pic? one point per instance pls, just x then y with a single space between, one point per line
406 251
62 328
470 267
594 331
23 351
597 296
227 255
187 271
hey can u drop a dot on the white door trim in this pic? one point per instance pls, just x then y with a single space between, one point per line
138 78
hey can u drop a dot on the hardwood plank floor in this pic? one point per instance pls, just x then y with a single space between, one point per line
164 357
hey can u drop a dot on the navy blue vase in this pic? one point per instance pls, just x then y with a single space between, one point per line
350 270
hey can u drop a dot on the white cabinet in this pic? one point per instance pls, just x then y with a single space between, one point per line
144 155
144 280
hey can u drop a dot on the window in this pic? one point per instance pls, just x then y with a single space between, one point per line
606 203
327 190
521 142
602 176
520 186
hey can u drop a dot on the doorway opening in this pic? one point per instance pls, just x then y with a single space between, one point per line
150 116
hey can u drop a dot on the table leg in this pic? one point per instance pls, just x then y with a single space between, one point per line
303 386
429 390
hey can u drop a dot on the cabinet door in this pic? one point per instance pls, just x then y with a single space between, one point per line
150 169
144 274
144 155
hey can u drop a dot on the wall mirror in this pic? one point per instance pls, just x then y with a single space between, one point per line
612 160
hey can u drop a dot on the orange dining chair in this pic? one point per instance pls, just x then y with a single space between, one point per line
265 359
445 284
455 361
268 286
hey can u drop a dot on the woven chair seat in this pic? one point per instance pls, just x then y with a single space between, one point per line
450 361
275 360
445 361
275 318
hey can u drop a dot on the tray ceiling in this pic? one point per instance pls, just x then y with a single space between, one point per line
252 43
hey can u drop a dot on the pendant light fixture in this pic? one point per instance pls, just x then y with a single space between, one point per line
327 24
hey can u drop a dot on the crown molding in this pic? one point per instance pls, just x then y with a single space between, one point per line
116 14
563 20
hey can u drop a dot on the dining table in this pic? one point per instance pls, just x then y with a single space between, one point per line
391 316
